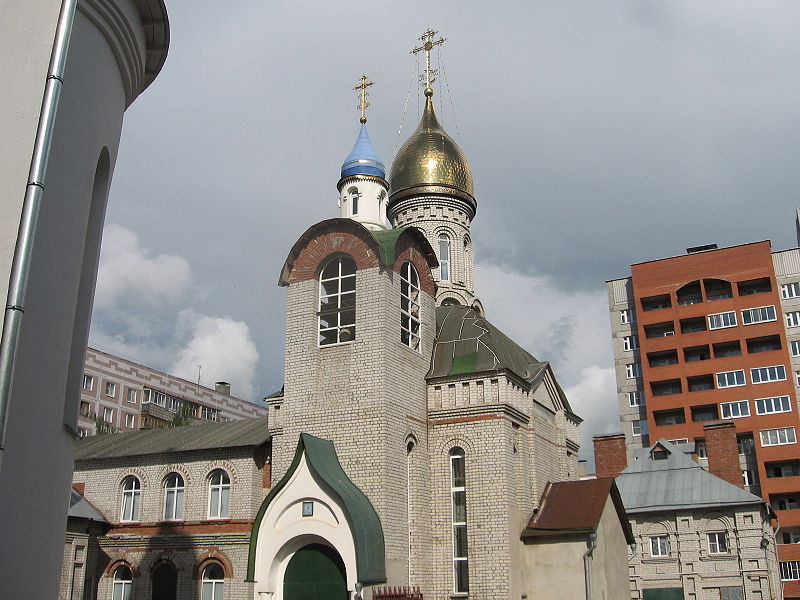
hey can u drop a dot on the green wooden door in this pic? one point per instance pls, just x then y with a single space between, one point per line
315 572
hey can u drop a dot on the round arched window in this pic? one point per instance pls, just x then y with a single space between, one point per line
213 582
123 583
337 302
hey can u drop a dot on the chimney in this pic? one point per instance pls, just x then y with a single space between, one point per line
223 387
723 452
610 454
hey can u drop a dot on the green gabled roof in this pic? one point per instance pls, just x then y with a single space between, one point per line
387 240
467 343
367 530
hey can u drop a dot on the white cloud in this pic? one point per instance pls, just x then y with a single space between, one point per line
568 329
222 349
143 312
128 273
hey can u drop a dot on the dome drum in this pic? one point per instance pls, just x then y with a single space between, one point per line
439 195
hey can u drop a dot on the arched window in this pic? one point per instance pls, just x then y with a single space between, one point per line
173 497
123 583
409 306
213 582
337 302
219 492
131 498
444 257
458 494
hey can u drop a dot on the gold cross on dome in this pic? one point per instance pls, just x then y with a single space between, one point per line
427 45
362 96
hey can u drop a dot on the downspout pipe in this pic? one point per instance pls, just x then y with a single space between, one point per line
592 543
20 267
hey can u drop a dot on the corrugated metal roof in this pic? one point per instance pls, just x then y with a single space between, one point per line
675 482
246 432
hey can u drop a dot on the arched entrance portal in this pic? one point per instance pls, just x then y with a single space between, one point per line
165 582
315 572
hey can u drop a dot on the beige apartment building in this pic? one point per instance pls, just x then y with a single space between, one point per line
118 394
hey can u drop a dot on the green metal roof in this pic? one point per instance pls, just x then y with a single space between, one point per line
245 432
467 343
366 526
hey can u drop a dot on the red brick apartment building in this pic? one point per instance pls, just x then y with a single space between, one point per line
715 335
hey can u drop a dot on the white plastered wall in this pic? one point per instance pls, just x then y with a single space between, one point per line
284 530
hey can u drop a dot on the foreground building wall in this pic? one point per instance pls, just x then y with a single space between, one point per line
116 50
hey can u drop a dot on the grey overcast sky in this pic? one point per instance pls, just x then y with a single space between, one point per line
599 134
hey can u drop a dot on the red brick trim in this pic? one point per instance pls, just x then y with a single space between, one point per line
184 527
317 251
112 566
79 487
215 555
410 252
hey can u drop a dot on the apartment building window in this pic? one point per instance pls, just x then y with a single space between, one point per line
108 414
86 408
627 316
656 302
778 437
659 545
633 370
791 536
131 498
723 320
730 378
790 570
717 289
785 503
750 477
693 325
700 383
775 404
718 542
663 359
745 444
130 420
639 427
111 388
754 286
784 469
83 432
767 374
696 353
458 496
790 290
635 398
735 410
130 396
700 448
669 417
793 318
797 377
219 494
726 349
761 314
795 347
630 342
88 383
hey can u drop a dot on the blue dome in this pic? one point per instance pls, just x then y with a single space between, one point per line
362 160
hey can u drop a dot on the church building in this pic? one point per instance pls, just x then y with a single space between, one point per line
413 444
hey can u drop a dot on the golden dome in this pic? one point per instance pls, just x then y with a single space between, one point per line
430 159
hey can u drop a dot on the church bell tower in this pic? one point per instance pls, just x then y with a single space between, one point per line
430 188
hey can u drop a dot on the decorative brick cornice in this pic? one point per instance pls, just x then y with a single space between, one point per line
157 528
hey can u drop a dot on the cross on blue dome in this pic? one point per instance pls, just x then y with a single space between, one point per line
363 160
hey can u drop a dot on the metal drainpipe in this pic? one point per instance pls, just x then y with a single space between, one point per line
18 280
592 543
